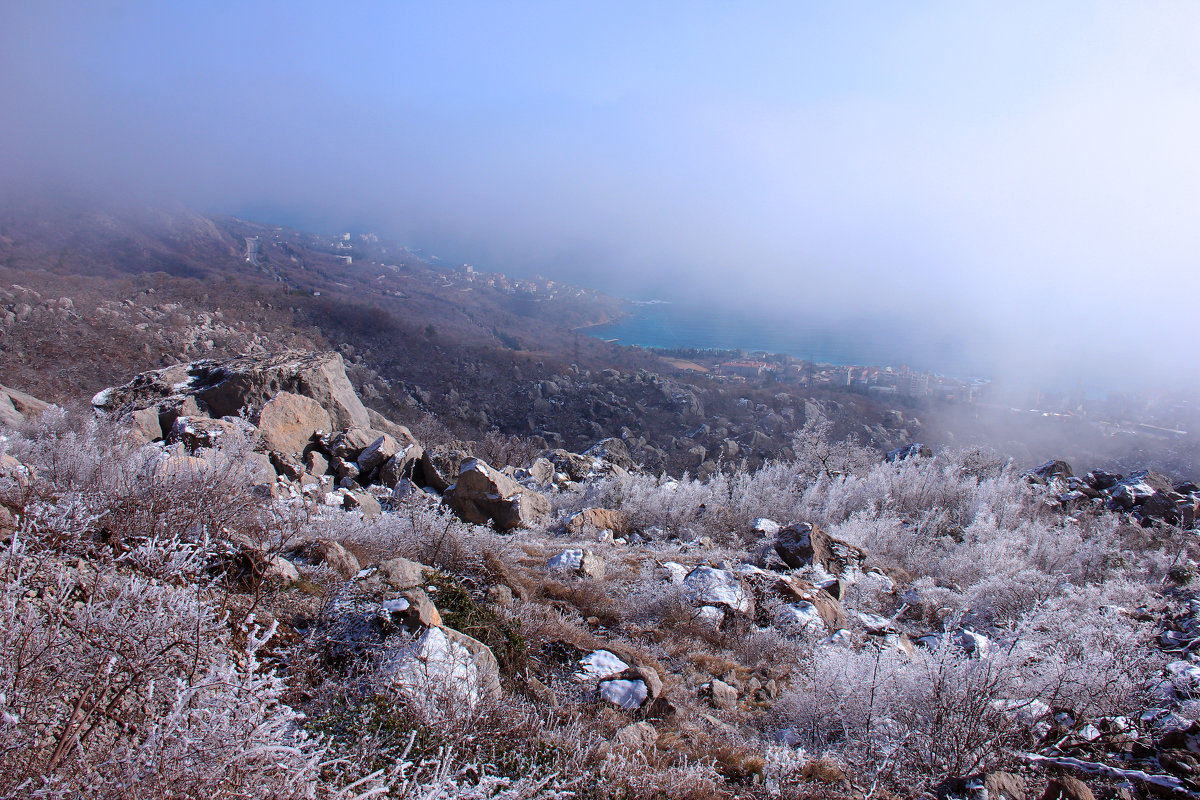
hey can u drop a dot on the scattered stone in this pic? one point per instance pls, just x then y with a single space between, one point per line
639 737
723 695
599 664
718 587
631 689
280 571
437 670
598 519
584 563
335 556
676 572
401 574
413 611
481 494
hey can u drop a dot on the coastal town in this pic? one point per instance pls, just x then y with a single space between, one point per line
900 381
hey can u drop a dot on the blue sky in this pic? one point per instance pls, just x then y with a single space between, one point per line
1026 169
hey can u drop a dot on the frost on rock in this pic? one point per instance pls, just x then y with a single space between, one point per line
433 671
566 560
875 623
802 614
627 694
842 638
709 586
972 643
676 572
599 664
767 527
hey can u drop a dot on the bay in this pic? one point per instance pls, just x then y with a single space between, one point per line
860 340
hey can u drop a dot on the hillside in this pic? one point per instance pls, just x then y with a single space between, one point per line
92 297
233 579
89 295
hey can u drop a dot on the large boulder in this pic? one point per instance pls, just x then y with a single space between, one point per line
17 407
481 494
597 519
288 421
804 544
227 388
199 432
708 586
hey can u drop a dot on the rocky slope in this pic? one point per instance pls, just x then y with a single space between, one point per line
825 626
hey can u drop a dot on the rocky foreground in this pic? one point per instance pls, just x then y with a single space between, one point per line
235 579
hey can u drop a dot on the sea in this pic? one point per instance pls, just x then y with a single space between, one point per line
855 340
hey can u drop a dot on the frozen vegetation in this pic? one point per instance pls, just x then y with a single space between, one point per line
194 613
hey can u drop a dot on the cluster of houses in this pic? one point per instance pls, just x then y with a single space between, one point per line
901 381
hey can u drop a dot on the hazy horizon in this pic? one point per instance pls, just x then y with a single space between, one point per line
1022 176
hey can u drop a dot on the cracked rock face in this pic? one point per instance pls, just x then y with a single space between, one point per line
288 421
225 388
481 494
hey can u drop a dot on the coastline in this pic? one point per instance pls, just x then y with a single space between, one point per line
667 326
607 321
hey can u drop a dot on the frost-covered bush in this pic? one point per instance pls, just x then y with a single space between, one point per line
116 684
819 455
138 492
910 719
429 534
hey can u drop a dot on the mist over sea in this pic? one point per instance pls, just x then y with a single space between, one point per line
867 341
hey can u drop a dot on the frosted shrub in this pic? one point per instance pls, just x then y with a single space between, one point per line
1087 651
818 455
909 720
113 684
131 495
685 508
432 535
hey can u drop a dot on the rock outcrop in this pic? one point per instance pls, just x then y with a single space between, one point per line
238 385
804 544
288 422
482 494
17 407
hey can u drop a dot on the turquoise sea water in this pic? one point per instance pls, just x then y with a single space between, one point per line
864 341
